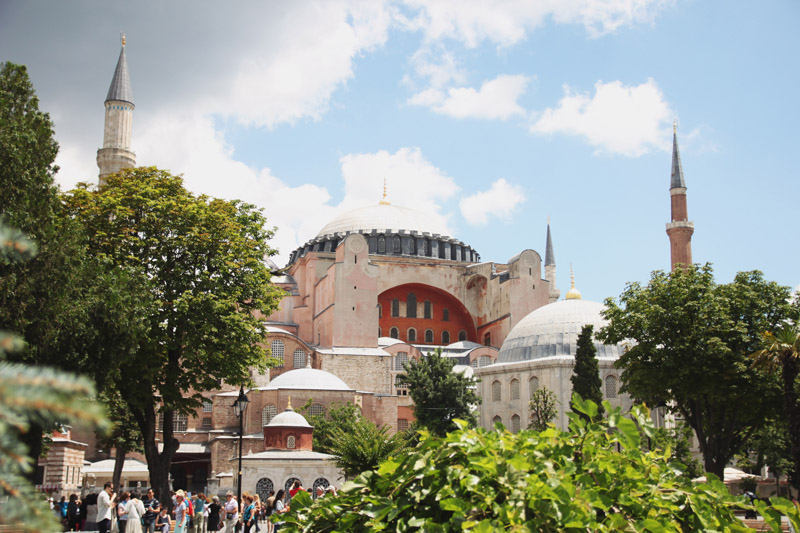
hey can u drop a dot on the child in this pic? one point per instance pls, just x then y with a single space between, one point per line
162 521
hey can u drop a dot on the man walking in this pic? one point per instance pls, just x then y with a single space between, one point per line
105 502
151 509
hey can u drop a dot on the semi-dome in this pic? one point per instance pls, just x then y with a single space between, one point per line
553 330
307 379
289 418
382 217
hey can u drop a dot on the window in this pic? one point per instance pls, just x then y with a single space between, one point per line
381 245
394 333
321 482
277 351
299 358
487 339
428 309
429 336
515 389
206 423
412 335
290 442
399 360
445 337
497 420
396 247
515 424
484 360
264 487
411 305
380 311
268 413
316 410
533 386
497 393
445 314
396 307
399 382
180 422
402 424
611 387
208 406
290 482
423 247
462 335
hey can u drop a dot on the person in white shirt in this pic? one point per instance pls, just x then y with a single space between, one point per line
231 510
105 501
135 510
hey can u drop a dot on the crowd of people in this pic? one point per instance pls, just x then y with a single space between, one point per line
129 512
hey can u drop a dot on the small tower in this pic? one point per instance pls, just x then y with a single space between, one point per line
680 229
550 266
116 152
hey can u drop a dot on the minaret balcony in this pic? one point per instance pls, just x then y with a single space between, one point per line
680 224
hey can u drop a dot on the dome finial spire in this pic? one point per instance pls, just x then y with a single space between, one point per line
289 405
123 38
384 201
573 294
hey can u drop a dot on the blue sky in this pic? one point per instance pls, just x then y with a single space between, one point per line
490 116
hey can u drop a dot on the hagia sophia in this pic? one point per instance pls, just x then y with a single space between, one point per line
375 288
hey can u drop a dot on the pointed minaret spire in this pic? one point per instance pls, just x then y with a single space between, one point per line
550 266
680 229
116 152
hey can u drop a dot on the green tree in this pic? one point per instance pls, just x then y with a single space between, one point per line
691 338
440 395
364 446
586 374
593 477
124 435
677 440
339 416
208 289
770 445
780 351
543 408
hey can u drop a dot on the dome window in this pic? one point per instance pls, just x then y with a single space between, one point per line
291 442
299 358
316 410
396 245
268 413
277 351
381 245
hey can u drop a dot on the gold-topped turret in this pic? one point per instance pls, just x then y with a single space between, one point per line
384 201
573 293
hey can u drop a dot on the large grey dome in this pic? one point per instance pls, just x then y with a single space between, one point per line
553 330
382 217
308 379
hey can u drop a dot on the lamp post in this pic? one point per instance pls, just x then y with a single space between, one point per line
239 407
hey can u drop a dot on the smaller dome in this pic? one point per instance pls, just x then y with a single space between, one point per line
307 379
289 418
382 217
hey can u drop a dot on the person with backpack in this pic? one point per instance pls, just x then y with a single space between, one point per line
199 507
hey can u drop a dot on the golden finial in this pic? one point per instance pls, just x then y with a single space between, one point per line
573 294
384 201
548 220
123 38
289 406
674 127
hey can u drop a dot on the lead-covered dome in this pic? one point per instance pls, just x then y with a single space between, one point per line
553 330
307 379
382 217
289 418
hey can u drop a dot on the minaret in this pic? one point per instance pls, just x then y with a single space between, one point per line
680 229
116 152
550 266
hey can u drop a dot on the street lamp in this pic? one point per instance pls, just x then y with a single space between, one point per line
239 407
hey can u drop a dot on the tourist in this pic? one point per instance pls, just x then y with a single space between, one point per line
181 514
213 521
62 508
319 493
231 509
136 512
248 515
296 487
73 513
122 511
259 511
105 502
279 508
162 522
331 490
268 507
152 507
198 519
89 513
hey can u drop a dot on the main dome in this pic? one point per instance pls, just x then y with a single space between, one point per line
382 217
308 379
553 330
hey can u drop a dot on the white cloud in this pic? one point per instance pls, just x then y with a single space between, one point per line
496 99
499 201
620 119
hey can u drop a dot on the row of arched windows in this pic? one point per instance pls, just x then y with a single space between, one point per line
278 350
429 336
265 485
516 422
533 386
270 411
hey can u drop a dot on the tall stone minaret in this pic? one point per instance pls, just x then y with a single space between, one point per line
116 152
680 230
550 266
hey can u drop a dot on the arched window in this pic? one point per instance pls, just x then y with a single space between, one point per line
396 247
412 247
497 420
396 307
380 311
289 483
533 386
299 358
277 351
428 309
320 482
290 442
497 391
515 424
180 422
445 337
515 389
381 245
394 333
487 339
423 247
484 360
611 387
402 424
411 305
412 335
268 413
316 410
462 335
445 314
399 360
263 487
429 336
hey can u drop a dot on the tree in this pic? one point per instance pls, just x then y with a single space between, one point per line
690 340
543 408
780 350
770 445
440 395
586 377
124 435
593 477
339 416
364 446
207 290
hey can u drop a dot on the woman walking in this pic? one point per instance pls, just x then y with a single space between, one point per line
135 512
213 514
